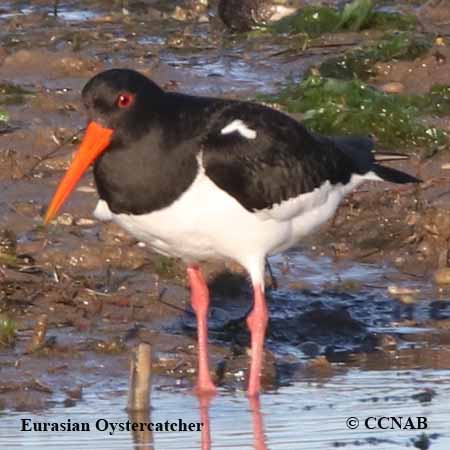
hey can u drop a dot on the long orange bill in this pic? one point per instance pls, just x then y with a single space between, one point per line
95 141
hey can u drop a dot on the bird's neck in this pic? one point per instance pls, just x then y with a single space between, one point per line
149 173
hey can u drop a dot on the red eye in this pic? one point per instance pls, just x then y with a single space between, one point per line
124 100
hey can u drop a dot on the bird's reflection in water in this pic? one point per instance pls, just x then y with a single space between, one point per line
143 440
259 439
203 403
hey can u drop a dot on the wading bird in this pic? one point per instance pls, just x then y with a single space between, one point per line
244 15
203 178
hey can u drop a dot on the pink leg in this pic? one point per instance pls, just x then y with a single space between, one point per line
257 323
205 435
259 440
200 302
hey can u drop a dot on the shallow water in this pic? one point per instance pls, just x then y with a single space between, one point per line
309 412
64 13
309 415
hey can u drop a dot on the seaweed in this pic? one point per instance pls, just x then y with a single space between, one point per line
439 100
7 331
355 16
313 20
11 94
393 21
332 106
360 62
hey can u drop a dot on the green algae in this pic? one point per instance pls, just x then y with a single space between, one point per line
8 331
355 16
439 100
312 20
332 106
392 21
11 94
360 62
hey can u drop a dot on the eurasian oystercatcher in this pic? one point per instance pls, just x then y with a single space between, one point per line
244 15
203 178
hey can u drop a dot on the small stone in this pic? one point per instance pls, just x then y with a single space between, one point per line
407 299
310 349
112 234
40 330
422 442
8 242
64 219
425 249
440 41
393 87
442 276
84 222
426 396
320 363
398 290
180 14
400 261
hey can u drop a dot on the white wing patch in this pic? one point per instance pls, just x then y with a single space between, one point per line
241 128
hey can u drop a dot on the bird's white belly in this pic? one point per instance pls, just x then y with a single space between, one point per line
204 223
207 223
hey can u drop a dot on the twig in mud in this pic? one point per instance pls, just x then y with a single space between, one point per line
374 286
371 253
313 49
140 378
53 152
38 338
403 272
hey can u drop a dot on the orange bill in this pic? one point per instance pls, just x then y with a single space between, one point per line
96 139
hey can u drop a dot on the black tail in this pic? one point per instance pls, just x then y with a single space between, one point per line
365 159
394 175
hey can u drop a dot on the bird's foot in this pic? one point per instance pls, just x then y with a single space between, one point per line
205 388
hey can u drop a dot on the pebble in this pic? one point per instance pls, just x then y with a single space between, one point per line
442 276
40 330
112 234
310 349
84 222
393 87
425 396
8 242
64 219
397 290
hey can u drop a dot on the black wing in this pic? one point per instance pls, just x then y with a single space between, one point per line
281 162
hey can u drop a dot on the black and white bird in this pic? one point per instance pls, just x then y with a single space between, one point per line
203 178
244 15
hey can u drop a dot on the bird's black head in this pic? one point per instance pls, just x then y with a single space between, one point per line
121 105
122 100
